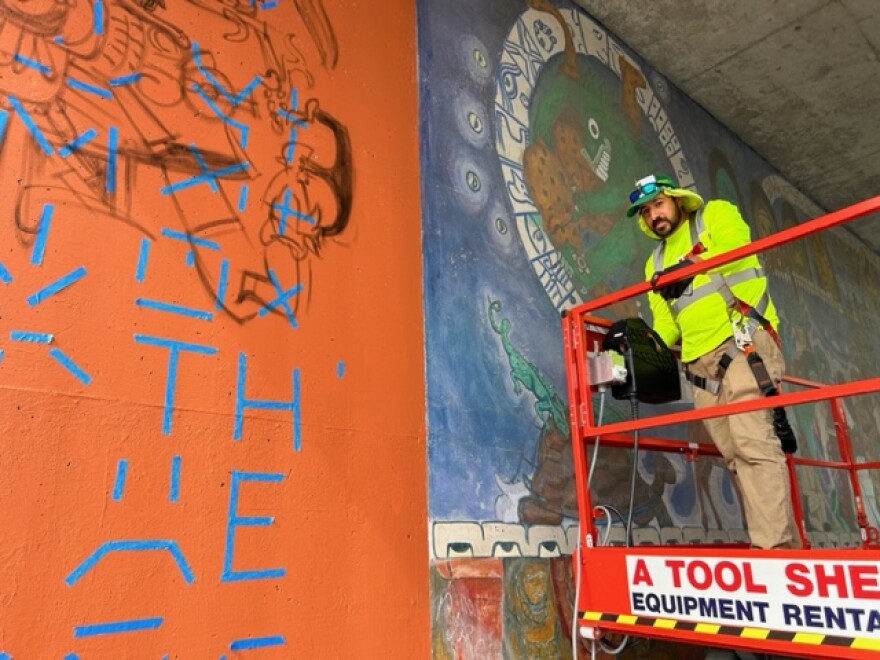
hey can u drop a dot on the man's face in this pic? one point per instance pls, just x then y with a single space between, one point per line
661 214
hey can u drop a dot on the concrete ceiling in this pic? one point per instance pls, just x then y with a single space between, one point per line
797 80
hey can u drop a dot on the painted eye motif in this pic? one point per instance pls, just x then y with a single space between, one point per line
593 127
475 121
480 58
473 181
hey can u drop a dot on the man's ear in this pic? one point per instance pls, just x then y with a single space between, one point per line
679 202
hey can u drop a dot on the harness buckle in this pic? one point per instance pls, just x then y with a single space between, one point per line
742 333
710 385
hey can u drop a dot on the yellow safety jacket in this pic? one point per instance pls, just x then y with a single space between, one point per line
701 317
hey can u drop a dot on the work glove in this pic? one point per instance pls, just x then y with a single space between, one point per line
676 289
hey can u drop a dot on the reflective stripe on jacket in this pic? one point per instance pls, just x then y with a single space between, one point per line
700 317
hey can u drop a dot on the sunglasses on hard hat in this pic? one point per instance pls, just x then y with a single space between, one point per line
650 184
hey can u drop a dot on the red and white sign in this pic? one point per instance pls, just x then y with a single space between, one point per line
827 597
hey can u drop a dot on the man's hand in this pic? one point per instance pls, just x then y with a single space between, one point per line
676 289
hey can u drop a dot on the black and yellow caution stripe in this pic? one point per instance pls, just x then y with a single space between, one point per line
811 639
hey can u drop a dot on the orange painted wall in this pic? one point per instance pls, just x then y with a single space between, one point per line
118 301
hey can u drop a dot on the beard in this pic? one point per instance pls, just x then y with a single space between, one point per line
663 225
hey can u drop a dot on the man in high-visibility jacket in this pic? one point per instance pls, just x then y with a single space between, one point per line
708 314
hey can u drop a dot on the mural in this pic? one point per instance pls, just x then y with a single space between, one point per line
535 123
177 282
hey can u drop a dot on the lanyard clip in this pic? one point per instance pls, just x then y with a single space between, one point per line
742 334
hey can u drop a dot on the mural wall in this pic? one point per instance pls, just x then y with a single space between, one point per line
210 371
535 122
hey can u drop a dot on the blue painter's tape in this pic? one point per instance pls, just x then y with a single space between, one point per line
242 197
340 369
39 249
5 656
58 39
244 93
65 361
174 489
4 119
190 258
269 4
296 422
285 209
244 129
31 125
119 484
80 140
98 16
5 275
267 404
171 382
34 337
222 282
239 397
210 178
39 66
56 286
203 166
112 627
174 344
292 118
112 140
125 80
295 122
256 642
88 87
233 520
281 300
131 545
143 256
170 387
242 402
217 85
160 306
304 216
189 238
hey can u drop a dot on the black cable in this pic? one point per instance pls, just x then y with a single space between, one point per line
634 406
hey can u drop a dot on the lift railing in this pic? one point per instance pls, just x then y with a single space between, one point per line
818 602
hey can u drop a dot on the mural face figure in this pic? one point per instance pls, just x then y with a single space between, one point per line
534 584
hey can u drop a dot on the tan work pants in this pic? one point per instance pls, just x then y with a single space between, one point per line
749 444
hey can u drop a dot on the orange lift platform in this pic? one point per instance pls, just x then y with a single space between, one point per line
810 602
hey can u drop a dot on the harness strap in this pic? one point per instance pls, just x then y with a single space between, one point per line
756 316
713 385
721 284
709 384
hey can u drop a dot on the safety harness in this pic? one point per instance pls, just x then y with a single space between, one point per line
752 317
